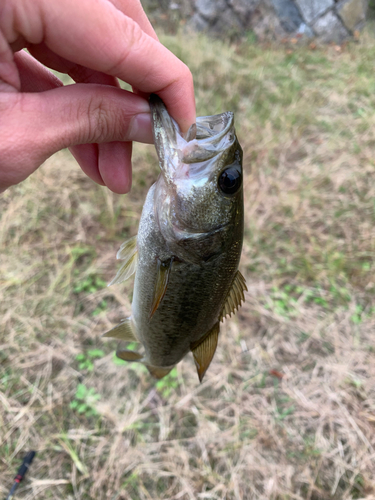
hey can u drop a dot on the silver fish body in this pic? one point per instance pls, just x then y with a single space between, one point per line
188 247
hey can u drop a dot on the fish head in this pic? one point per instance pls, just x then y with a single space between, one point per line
199 196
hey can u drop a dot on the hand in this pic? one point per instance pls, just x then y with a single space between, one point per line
95 42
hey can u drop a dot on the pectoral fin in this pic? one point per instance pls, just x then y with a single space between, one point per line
205 350
235 296
123 331
128 252
162 275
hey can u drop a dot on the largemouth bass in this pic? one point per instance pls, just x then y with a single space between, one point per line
188 247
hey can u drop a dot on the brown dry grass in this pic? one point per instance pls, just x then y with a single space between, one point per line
287 408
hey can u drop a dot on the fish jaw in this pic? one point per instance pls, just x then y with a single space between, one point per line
166 135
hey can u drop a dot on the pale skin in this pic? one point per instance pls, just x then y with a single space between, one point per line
96 42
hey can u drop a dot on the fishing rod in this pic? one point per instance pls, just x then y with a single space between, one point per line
21 473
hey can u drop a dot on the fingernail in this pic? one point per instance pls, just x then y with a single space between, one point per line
140 128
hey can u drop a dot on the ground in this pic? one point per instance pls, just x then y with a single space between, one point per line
287 407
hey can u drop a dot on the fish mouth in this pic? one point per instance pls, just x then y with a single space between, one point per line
207 138
214 134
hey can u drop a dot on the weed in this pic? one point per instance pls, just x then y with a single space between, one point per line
88 284
101 307
84 401
85 360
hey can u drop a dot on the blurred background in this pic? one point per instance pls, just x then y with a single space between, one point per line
287 407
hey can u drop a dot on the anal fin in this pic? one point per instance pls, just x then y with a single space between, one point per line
162 275
235 296
128 252
122 331
204 351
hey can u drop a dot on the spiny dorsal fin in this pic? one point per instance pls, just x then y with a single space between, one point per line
158 371
123 331
235 296
129 355
128 253
205 350
162 275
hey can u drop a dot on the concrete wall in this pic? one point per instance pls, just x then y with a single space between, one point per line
327 20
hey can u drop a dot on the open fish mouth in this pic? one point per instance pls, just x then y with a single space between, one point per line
208 137
214 134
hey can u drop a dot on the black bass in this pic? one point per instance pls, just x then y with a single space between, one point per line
188 247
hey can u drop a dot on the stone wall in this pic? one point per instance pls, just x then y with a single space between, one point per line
326 20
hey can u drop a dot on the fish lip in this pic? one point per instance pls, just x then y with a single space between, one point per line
161 120
165 131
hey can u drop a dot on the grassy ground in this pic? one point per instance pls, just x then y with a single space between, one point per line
287 408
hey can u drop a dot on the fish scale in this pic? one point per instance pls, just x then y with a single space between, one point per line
188 247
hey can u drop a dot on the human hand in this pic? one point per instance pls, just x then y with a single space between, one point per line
95 42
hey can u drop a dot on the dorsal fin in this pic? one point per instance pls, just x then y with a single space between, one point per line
128 252
123 331
204 351
235 296
162 275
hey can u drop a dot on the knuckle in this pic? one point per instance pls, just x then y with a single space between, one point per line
19 154
134 37
186 72
99 120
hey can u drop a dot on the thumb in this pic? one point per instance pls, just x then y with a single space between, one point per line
36 125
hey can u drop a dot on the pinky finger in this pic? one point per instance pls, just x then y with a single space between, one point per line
115 165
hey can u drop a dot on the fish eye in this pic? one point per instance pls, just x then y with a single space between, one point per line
230 179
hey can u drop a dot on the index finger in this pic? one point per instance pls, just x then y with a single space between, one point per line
95 34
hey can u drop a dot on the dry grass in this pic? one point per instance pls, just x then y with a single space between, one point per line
287 409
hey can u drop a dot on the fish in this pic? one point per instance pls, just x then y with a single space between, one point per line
187 251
